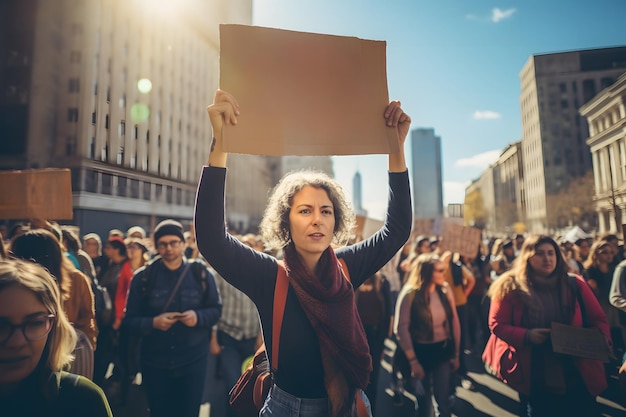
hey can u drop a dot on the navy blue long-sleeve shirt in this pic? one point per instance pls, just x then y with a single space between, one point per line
300 370
180 345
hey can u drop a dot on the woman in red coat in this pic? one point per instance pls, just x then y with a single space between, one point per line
525 302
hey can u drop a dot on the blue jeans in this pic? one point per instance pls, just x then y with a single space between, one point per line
175 392
234 352
281 404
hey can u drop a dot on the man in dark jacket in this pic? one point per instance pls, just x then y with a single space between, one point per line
175 323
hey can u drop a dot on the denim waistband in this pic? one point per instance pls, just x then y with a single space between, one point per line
300 406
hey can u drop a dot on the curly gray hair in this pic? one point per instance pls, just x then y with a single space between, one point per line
274 227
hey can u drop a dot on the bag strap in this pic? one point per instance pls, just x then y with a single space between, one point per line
280 299
344 269
176 287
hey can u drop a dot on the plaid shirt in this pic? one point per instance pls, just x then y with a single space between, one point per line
240 319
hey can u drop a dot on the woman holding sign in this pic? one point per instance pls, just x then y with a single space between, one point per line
324 358
525 302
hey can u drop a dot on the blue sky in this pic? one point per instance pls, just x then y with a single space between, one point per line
455 67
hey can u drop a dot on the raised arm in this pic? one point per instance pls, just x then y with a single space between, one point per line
224 110
396 117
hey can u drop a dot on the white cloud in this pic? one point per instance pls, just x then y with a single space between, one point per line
454 192
486 114
498 15
481 161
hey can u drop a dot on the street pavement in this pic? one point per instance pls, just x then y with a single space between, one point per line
487 397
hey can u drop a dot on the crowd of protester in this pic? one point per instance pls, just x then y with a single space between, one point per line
440 316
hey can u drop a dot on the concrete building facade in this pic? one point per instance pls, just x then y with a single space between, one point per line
116 91
553 88
508 188
606 117
426 174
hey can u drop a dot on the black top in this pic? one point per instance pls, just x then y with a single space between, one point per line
62 395
254 273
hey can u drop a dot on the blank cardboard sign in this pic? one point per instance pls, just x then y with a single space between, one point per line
36 193
305 93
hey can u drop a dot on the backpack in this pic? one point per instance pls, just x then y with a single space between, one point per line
198 269
103 305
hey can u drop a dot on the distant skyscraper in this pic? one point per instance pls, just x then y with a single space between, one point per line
554 151
357 195
426 175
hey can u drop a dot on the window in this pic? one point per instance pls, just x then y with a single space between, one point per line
122 184
73 85
92 148
122 128
72 114
107 180
106 122
589 90
120 155
134 188
93 118
70 146
146 191
605 82
91 181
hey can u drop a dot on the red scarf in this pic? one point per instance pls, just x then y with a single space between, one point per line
327 299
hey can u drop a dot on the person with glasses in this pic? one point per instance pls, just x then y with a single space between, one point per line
173 304
428 331
36 343
43 247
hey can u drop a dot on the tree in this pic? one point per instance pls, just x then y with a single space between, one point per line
573 205
474 211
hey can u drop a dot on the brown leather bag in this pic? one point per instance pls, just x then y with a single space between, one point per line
249 392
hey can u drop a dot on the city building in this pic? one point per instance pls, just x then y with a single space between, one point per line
606 117
116 91
494 202
555 153
426 174
479 207
357 195
508 187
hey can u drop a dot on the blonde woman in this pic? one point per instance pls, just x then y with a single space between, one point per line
42 246
36 343
429 333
